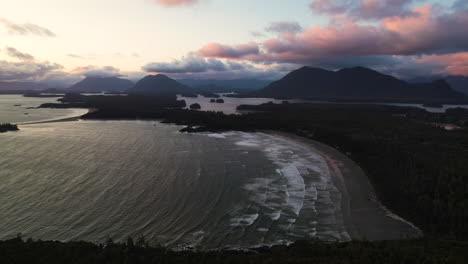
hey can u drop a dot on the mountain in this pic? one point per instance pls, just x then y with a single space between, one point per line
458 83
225 85
159 84
355 84
101 84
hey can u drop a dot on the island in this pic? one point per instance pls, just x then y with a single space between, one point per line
195 106
5 127
433 105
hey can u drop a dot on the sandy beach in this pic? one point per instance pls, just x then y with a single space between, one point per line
365 218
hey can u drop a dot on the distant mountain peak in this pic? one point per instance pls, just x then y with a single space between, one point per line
159 84
356 83
101 84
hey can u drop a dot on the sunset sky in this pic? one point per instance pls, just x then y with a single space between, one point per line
60 41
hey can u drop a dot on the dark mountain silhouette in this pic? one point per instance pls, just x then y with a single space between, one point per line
458 83
356 84
159 84
101 84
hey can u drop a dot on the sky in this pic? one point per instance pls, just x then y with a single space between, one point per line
59 42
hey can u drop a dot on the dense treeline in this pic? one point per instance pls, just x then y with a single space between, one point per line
454 116
121 107
425 251
5 127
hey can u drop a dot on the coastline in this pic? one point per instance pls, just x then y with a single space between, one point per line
66 119
364 217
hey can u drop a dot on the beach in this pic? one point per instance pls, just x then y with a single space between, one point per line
365 218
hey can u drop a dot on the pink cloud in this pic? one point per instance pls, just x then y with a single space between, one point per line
424 32
216 50
455 64
363 9
173 3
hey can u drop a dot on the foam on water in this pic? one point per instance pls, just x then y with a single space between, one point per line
298 200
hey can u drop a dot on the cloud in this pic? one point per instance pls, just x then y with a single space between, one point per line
460 4
216 50
59 79
26 29
75 56
62 79
284 27
363 9
454 64
175 3
427 32
25 71
95 71
12 52
193 66
189 64
257 34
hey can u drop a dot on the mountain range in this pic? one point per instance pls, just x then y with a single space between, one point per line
356 84
102 84
349 84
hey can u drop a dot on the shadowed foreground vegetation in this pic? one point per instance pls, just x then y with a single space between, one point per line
18 251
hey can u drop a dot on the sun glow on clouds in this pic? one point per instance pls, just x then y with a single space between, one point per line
418 31
456 64
430 38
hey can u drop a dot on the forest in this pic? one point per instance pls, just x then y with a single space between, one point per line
423 251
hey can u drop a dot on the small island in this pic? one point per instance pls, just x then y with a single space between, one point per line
195 106
220 101
5 127
433 105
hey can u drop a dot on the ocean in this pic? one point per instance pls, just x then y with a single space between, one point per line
93 180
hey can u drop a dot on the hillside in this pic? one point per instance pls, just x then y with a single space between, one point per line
357 84
159 84
101 84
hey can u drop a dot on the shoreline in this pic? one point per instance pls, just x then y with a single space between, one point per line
364 217
65 119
